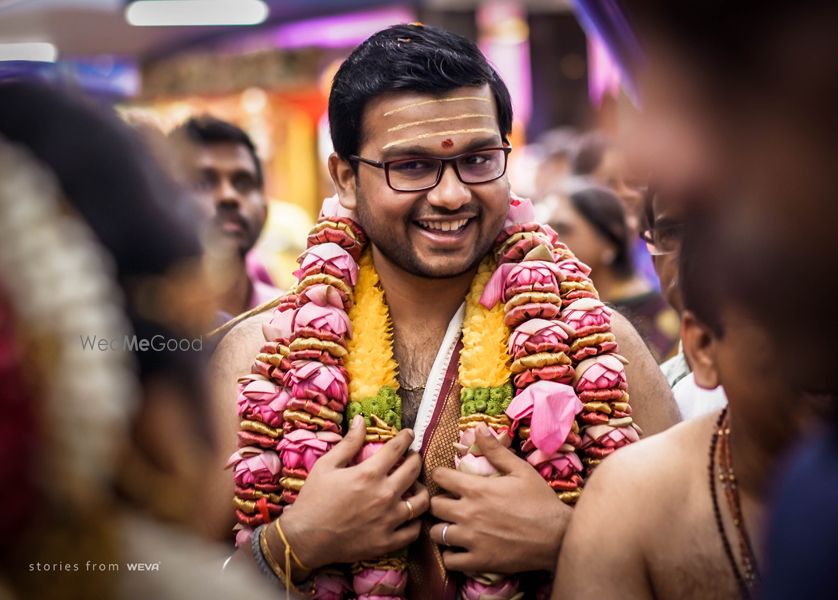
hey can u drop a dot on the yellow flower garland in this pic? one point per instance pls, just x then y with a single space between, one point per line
370 361
484 361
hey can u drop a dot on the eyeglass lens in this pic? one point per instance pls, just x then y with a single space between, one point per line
419 173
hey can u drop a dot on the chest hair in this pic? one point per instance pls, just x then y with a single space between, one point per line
415 355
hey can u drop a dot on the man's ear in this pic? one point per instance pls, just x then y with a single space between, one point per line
343 176
700 347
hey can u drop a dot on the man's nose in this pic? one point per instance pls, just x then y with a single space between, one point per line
450 193
226 193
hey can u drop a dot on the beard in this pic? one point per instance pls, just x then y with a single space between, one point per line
395 245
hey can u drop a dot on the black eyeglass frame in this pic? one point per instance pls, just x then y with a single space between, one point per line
442 162
647 234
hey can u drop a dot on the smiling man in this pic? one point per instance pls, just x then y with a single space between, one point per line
222 169
420 124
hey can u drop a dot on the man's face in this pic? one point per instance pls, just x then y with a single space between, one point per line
227 187
444 231
581 237
612 174
666 226
746 360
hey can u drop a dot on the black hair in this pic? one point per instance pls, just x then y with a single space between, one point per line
206 130
407 58
590 150
601 207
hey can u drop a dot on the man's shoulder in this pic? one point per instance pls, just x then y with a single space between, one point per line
245 338
655 468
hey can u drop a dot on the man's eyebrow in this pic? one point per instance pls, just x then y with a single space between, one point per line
422 151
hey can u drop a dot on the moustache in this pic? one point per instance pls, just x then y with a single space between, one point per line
230 217
468 211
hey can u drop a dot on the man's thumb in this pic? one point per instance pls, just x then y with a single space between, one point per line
346 449
501 457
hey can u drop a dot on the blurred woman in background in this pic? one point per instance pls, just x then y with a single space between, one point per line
104 440
591 220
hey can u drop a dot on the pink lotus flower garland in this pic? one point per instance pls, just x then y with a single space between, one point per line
292 405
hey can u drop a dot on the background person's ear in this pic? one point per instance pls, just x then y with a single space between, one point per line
343 176
700 348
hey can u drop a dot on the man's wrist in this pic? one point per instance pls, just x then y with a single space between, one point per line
558 527
300 541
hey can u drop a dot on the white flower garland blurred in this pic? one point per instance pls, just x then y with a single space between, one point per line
61 286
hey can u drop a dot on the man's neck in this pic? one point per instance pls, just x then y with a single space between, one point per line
233 288
753 463
420 302
753 466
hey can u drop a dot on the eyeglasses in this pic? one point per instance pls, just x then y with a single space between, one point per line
663 238
425 173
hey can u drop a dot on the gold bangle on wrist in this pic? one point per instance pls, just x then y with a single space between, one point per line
288 550
284 575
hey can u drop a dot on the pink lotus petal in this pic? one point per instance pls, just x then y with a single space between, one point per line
243 536
330 586
329 254
260 391
520 211
475 465
267 407
322 295
302 448
559 464
586 312
367 450
534 271
279 327
608 436
551 407
329 318
493 291
538 330
316 377
253 465
574 268
331 207
502 589
383 582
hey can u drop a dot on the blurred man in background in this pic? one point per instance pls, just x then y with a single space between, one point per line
739 109
220 163
664 222
712 549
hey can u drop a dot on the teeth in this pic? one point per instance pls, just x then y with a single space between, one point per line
444 225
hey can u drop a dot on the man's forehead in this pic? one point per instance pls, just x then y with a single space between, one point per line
406 119
224 154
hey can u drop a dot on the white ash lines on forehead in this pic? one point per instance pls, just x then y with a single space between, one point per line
435 101
439 133
440 119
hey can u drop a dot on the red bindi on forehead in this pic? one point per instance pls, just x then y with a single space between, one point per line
447 143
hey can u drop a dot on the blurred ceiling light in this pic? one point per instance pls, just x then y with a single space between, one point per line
169 13
34 51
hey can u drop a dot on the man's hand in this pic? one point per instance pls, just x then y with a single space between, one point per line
348 513
506 524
